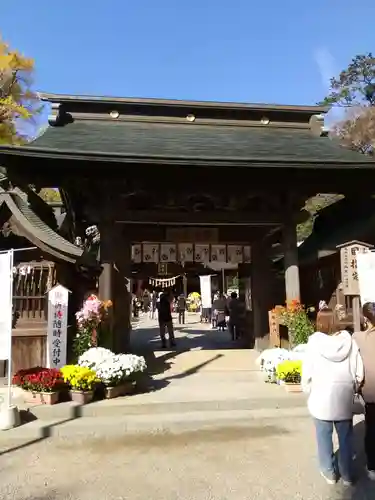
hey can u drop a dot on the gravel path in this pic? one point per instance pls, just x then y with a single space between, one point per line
269 460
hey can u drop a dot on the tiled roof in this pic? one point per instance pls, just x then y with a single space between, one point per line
132 139
37 231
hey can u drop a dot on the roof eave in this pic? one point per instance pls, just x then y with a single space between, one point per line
61 98
181 160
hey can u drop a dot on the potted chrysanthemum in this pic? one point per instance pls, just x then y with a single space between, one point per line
82 382
116 372
90 320
290 372
40 385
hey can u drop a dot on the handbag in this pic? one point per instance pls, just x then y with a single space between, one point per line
358 401
358 404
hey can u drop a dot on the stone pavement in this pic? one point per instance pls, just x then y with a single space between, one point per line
267 460
210 430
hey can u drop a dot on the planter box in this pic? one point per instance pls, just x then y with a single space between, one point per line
41 398
118 390
81 397
292 387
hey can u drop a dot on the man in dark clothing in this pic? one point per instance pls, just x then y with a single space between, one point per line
165 320
236 311
181 308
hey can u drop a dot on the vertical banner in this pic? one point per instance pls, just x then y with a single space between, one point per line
206 297
202 253
168 252
6 315
218 253
6 306
57 327
185 252
366 276
235 254
151 252
137 253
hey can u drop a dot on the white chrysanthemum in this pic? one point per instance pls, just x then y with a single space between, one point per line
112 368
94 356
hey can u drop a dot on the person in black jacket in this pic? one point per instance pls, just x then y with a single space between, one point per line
165 320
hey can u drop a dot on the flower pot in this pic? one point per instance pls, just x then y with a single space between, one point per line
41 398
81 397
292 387
127 388
114 392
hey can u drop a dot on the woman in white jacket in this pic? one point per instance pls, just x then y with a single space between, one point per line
332 371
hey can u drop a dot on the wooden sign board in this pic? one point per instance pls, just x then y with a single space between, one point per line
274 327
349 271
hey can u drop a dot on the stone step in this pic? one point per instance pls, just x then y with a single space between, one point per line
122 407
261 420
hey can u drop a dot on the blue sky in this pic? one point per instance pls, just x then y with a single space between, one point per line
225 50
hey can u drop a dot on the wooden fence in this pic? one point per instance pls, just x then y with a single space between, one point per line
31 283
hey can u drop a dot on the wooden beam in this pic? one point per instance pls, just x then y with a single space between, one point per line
216 218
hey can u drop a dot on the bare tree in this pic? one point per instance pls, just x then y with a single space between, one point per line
357 130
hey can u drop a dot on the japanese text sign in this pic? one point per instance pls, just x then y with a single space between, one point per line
58 298
349 271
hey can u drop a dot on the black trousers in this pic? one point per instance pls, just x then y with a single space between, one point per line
181 316
370 435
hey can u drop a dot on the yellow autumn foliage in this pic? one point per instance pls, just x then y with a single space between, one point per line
17 101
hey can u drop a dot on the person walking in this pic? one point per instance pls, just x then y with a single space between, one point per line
154 298
332 372
165 320
366 344
236 310
181 308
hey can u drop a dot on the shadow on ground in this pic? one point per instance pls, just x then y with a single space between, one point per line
363 489
146 342
45 432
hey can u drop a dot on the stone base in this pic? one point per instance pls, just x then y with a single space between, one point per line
41 398
9 418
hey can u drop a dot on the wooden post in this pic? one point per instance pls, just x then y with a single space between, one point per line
292 284
106 259
115 254
261 293
122 294
274 326
244 290
184 284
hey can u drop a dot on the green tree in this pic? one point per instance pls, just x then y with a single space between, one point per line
50 194
313 206
17 101
354 89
